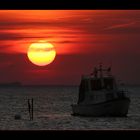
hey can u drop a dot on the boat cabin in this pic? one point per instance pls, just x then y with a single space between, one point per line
97 87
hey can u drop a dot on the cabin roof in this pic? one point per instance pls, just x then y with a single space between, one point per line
96 78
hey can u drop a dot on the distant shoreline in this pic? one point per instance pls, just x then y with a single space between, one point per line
10 84
18 84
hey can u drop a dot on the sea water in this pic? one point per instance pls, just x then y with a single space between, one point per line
52 110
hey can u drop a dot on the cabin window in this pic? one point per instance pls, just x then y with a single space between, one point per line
108 83
86 85
95 84
82 91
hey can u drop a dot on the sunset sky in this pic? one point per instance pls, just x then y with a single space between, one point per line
82 39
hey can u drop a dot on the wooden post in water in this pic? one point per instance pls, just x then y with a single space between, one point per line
30 108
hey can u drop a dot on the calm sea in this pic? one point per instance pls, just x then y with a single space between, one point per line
52 110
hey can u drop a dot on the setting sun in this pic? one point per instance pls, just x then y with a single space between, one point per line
41 53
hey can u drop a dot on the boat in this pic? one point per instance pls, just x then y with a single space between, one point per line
12 84
100 96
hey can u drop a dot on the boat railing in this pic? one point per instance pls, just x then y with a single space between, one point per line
123 93
127 93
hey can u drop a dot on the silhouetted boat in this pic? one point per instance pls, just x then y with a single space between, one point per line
12 84
100 96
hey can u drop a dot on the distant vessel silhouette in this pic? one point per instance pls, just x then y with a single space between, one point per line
15 84
100 96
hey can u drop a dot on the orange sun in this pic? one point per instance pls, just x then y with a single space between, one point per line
41 53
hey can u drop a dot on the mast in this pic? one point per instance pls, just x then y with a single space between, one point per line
101 75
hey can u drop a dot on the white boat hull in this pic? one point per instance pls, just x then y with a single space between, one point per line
116 107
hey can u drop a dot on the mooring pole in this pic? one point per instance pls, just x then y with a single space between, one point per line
29 108
32 109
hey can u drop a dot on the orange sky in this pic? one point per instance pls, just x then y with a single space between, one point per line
82 39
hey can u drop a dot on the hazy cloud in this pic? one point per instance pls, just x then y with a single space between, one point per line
126 25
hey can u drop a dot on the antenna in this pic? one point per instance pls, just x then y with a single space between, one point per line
111 63
100 69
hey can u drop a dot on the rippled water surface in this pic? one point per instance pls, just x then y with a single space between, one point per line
52 110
